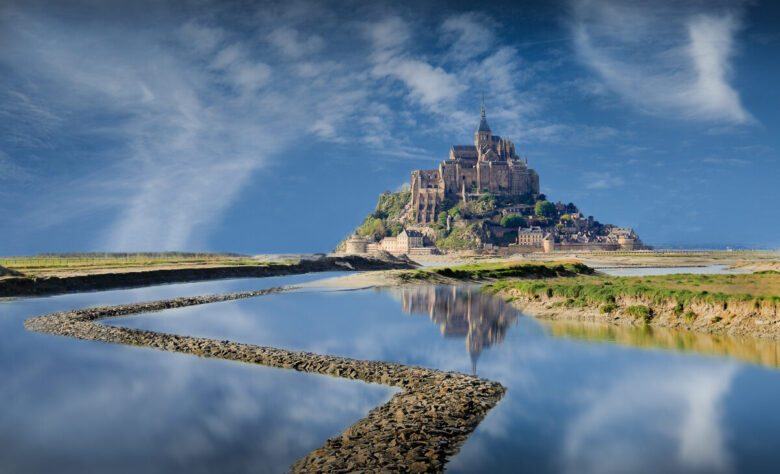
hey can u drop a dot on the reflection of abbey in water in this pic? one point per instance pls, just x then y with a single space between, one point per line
482 319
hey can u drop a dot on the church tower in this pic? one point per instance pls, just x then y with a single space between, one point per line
483 134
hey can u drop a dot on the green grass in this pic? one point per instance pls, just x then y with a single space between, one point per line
481 271
680 290
416 275
607 308
640 311
261 264
56 262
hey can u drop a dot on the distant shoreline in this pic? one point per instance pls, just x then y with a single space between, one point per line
50 285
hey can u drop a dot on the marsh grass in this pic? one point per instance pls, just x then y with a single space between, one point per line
640 311
480 271
121 260
681 289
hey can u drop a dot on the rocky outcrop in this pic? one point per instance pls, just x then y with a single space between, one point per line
128 279
416 431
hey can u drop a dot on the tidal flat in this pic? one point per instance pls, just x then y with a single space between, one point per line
671 402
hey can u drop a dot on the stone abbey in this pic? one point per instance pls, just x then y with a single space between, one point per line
489 166
483 196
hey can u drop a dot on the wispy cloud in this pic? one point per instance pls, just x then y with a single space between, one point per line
605 180
668 58
179 120
294 44
468 35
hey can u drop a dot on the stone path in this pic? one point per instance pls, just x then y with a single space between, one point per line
417 430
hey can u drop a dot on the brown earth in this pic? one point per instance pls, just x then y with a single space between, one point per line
756 318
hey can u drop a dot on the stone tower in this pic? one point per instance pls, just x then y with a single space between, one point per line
482 137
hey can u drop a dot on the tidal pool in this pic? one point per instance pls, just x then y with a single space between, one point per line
73 406
579 399
643 271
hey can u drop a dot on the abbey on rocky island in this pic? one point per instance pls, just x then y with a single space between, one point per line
489 166
483 196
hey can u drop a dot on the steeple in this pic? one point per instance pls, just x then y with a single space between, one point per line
483 125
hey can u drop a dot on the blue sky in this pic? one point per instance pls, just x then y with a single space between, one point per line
272 127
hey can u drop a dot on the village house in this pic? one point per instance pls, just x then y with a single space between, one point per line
531 237
403 242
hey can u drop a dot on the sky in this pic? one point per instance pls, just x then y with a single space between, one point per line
259 127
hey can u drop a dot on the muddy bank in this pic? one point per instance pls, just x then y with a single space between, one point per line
8 272
416 431
757 266
25 286
755 319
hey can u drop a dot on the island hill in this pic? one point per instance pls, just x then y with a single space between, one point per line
483 196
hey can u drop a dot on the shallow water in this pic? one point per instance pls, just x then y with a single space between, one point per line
647 271
581 397
577 400
83 406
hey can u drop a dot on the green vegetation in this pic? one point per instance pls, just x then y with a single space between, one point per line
640 311
481 271
545 209
607 308
389 206
513 220
483 206
85 261
680 290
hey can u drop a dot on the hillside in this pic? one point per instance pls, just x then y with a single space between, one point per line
487 220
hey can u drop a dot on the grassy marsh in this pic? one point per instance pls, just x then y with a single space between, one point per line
679 289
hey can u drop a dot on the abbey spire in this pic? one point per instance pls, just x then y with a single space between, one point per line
483 125
482 137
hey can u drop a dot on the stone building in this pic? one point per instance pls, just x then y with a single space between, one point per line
403 242
548 243
531 237
491 165
357 245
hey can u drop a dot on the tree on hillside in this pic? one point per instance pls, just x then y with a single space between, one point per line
442 219
513 220
544 209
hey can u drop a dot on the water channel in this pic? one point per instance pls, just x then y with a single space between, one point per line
581 397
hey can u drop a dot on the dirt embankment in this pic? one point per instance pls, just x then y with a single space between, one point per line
24 286
8 272
757 266
738 318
